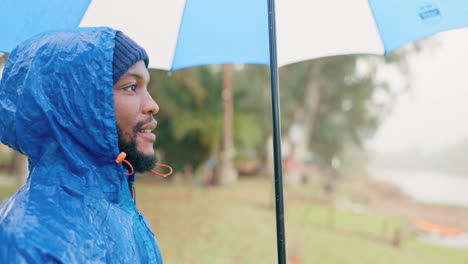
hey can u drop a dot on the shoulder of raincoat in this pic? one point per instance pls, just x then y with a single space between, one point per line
56 107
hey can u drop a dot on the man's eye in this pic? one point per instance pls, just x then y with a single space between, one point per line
130 88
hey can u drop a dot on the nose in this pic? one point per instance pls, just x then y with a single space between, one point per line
150 107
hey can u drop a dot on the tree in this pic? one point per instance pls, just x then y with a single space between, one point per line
333 99
192 111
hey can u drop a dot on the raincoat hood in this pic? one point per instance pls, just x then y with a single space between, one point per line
56 107
56 101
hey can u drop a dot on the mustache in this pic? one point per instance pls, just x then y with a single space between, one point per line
140 124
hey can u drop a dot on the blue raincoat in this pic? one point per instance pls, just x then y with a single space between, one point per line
56 107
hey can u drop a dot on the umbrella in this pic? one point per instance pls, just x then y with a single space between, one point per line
217 32
179 34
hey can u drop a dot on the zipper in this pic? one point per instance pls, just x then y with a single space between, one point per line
148 239
141 228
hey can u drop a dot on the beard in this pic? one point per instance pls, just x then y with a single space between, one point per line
141 162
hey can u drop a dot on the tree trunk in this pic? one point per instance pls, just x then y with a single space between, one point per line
312 98
304 124
228 174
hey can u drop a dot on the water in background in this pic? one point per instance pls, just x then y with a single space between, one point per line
427 186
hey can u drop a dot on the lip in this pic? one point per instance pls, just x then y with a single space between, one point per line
151 125
148 135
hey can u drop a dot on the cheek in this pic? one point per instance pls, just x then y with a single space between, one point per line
126 113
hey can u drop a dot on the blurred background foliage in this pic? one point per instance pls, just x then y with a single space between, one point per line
333 99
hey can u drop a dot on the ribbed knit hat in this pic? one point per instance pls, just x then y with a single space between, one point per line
126 53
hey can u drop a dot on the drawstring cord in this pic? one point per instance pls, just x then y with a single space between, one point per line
160 174
131 179
121 158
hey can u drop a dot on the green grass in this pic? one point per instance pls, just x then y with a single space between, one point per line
237 225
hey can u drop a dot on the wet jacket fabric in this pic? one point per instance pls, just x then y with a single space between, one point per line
56 107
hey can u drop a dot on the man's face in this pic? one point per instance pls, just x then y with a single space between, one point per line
134 110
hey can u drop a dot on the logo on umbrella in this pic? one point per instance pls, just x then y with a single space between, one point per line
429 13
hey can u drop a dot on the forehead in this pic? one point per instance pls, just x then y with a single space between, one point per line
138 70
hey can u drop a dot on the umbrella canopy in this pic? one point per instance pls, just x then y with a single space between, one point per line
186 33
216 32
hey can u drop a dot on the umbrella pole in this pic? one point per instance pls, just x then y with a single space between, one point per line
276 135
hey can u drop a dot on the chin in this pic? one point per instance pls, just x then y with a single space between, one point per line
146 151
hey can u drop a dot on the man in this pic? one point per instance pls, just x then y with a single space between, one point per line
72 102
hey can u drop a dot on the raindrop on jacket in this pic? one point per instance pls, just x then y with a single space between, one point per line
56 107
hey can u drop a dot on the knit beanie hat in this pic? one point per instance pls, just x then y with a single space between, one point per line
126 53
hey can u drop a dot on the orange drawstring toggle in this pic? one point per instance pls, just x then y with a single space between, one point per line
121 157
